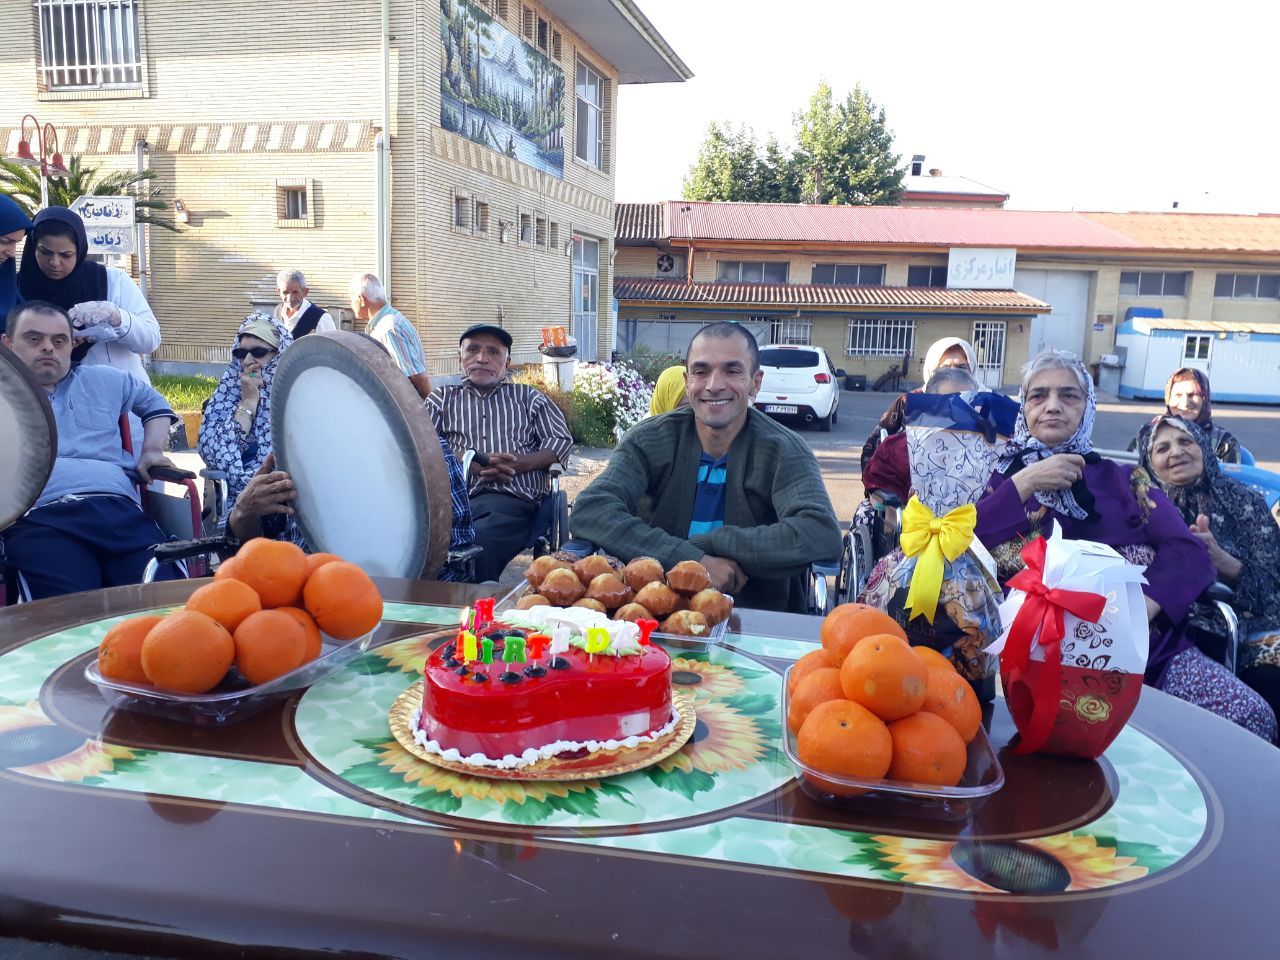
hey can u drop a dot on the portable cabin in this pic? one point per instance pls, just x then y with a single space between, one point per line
1242 359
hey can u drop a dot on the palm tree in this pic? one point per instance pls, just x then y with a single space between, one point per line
22 183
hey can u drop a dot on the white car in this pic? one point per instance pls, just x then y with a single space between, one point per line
799 382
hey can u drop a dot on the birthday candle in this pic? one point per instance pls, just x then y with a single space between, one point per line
486 650
537 645
484 614
559 639
647 627
597 640
468 647
513 650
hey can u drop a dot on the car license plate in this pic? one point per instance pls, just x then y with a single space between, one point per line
780 408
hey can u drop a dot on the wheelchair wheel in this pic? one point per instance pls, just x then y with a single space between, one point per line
560 525
864 559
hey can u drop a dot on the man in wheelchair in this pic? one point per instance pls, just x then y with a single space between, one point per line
516 433
719 482
87 529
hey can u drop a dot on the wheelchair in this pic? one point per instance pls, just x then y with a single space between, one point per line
872 535
549 530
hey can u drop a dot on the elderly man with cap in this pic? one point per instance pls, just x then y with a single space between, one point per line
520 431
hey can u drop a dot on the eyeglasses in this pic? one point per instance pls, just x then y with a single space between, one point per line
256 352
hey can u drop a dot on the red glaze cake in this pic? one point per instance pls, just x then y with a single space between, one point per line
511 715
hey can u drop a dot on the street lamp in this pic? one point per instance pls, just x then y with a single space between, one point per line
50 159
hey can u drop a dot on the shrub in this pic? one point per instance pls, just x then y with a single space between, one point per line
649 363
604 397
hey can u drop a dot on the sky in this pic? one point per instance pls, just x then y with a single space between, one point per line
1122 105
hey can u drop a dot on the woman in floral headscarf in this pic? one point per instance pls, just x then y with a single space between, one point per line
235 436
1049 471
1244 544
1187 395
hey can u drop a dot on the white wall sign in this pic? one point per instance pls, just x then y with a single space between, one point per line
108 222
981 268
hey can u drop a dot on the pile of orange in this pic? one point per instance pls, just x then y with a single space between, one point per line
263 613
868 705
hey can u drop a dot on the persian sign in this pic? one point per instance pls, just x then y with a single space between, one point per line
981 268
108 222
499 91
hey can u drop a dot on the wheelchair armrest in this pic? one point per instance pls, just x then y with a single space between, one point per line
556 470
210 474
184 549
170 474
1218 592
465 554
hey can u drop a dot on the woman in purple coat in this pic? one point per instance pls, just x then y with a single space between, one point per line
1049 472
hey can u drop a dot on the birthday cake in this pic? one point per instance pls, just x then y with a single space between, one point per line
543 683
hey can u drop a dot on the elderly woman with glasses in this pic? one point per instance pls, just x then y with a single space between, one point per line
235 436
1049 471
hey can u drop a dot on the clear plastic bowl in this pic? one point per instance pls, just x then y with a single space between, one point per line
234 698
715 636
983 776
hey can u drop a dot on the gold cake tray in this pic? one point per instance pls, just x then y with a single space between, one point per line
590 766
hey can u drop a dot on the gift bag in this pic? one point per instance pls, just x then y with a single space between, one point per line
1074 647
940 585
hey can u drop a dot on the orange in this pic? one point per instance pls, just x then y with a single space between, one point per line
120 653
811 661
275 568
314 642
844 738
927 749
188 652
884 674
344 601
227 601
226 569
949 696
317 560
821 685
268 645
848 623
933 660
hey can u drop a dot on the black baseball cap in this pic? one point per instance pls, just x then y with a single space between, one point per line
488 328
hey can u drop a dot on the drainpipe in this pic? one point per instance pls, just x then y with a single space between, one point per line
383 151
140 230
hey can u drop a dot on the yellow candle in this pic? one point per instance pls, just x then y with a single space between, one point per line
469 647
597 640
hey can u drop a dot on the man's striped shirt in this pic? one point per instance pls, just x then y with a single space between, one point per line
391 329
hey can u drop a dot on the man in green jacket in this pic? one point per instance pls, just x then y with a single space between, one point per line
719 482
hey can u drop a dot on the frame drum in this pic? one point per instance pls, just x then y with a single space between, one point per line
356 439
28 438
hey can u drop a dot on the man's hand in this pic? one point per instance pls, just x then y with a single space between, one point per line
153 458
726 575
502 468
1058 472
1227 566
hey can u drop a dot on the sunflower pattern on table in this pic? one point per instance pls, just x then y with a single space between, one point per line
33 745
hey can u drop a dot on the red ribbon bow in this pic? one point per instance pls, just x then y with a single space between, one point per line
1043 611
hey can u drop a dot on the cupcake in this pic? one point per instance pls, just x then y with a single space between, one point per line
632 612
688 577
686 623
590 604
532 600
562 588
609 590
657 598
538 570
712 604
588 568
642 570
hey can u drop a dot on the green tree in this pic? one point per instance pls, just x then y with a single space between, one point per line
778 180
728 166
23 185
844 151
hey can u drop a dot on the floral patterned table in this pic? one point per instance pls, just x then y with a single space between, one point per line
311 808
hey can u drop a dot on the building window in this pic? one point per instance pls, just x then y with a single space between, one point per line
526 228
926 276
557 48
540 231
791 330
461 213
89 44
751 271
1152 284
668 317
480 214
295 203
1196 346
553 237
589 133
1247 286
849 274
881 338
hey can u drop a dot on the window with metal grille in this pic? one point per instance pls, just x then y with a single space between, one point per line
788 330
850 274
89 44
881 338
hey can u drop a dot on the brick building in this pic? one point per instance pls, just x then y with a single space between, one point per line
266 122
874 284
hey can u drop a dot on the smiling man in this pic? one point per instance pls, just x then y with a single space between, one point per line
718 482
86 530
519 430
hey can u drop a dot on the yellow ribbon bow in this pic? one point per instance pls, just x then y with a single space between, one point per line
931 539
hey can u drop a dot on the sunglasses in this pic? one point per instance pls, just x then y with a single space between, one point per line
256 352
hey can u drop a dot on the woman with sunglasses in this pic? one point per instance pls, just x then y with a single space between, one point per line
235 436
112 318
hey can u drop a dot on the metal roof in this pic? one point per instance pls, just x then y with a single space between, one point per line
1219 232
1148 324
959 186
645 290
619 32
638 222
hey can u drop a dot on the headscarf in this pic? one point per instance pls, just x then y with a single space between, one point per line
12 217
1204 418
1024 449
221 445
934 356
87 282
1195 498
668 391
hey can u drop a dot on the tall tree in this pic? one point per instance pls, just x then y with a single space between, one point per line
778 180
844 151
728 166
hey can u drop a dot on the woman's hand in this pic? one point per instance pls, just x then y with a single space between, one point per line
1228 567
1058 472
250 389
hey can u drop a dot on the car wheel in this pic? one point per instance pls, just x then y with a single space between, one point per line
835 414
824 423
